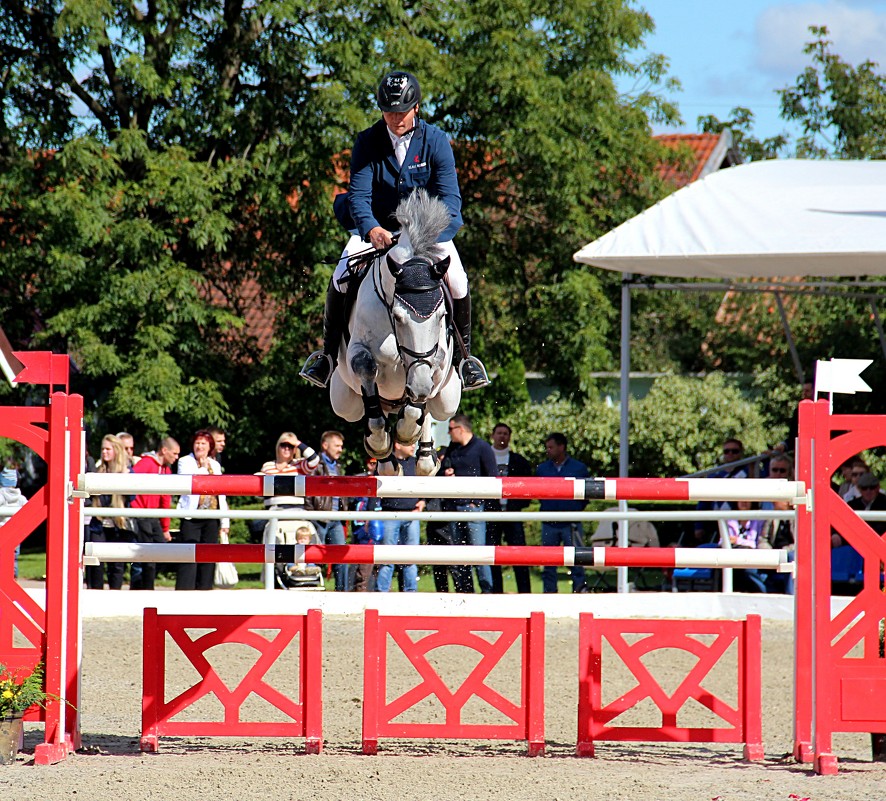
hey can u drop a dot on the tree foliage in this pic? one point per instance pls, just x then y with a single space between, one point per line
166 171
841 108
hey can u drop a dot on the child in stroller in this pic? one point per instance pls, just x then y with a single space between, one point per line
294 576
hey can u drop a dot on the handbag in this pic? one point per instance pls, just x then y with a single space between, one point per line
225 572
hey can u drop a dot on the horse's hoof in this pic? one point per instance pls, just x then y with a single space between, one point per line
427 463
390 467
426 471
378 453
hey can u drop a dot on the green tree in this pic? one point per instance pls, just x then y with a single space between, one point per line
158 158
841 108
741 124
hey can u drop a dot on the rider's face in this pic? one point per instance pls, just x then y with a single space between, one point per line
400 122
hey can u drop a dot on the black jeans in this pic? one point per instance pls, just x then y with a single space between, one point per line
512 533
149 531
94 574
194 576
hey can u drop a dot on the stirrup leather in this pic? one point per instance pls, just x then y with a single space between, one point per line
318 369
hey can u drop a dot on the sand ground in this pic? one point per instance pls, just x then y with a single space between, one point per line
111 766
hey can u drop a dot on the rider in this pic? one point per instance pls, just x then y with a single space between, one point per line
389 161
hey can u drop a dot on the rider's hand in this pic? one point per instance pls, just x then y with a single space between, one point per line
380 238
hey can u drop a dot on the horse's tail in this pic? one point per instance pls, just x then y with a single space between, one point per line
423 218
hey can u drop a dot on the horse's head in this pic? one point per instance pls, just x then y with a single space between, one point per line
418 314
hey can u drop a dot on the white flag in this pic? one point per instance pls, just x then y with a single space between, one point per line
841 375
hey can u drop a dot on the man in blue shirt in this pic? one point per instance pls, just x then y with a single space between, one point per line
560 465
397 155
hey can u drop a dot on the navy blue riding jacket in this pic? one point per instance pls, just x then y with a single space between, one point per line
378 184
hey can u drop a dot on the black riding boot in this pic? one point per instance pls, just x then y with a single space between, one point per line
320 364
470 368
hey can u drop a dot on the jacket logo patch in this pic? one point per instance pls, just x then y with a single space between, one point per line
417 165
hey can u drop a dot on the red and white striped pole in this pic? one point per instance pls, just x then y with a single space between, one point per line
479 488
502 555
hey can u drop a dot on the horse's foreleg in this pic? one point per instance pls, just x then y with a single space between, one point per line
426 461
376 439
409 423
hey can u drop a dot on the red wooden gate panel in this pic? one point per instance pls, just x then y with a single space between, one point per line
743 722
305 712
417 637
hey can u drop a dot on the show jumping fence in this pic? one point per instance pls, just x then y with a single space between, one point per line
842 691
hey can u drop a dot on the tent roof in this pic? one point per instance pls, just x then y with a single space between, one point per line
765 219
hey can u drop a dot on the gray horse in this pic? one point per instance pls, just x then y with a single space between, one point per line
398 360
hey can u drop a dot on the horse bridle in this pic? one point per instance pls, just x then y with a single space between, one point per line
418 357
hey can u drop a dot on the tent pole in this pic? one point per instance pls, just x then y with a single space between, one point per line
624 409
798 366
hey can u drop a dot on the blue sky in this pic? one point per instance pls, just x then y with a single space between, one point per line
738 53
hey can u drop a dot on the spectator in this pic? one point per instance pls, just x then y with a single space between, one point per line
509 463
129 446
295 575
561 465
780 534
733 451
747 534
220 440
331 532
439 532
369 532
200 530
291 457
858 467
870 500
11 497
401 532
112 459
157 463
471 456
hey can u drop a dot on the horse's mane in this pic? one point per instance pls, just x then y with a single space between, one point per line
423 218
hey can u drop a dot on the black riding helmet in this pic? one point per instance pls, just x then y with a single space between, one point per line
398 91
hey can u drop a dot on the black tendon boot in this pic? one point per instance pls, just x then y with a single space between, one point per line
320 364
470 369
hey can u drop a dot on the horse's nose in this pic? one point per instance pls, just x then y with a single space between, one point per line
420 383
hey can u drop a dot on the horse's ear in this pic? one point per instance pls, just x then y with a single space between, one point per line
395 268
439 269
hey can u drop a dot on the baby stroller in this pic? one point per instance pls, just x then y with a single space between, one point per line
291 576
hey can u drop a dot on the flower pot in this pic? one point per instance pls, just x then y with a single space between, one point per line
11 738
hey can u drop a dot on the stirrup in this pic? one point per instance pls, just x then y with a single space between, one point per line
472 374
318 369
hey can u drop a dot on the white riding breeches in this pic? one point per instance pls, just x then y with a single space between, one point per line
456 278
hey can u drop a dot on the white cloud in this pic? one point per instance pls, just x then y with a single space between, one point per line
857 30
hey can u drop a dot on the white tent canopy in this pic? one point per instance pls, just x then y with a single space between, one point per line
765 219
